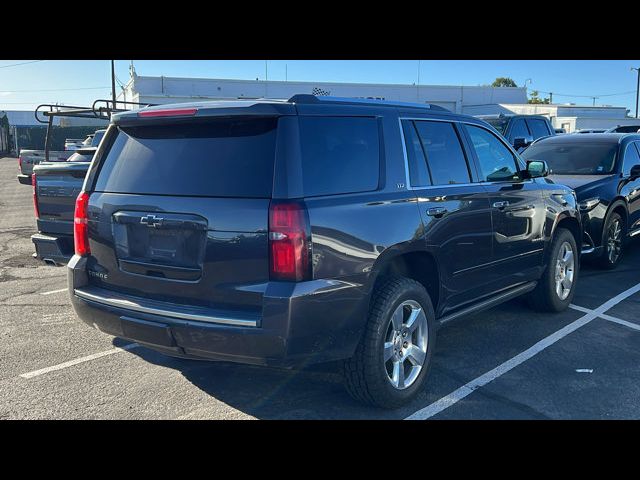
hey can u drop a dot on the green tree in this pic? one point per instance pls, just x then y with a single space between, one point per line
534 97
504 82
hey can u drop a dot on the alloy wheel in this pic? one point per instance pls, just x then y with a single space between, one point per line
614 241
405 347
565 270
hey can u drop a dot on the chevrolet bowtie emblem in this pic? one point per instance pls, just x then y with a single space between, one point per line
151 221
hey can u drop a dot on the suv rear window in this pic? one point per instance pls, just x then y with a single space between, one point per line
216 157
339 155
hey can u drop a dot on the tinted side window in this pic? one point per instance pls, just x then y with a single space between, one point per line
496 161
631 158
519 129
418 173
538 128
339 155
445 158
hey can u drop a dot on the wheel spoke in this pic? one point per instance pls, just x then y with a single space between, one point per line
559 289
397 318
568 256
416 356
388 351
566 283
398 374
416 317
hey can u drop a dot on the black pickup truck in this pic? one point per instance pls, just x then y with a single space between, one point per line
55 188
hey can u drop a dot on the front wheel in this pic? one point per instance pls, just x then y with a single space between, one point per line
612 242
557 286
393 358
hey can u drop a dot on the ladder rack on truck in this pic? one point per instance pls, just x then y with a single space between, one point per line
100 109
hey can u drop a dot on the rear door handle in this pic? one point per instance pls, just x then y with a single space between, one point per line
500 205
436 211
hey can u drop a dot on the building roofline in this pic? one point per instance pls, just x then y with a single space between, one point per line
283 82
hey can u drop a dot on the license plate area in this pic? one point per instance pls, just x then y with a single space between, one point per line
160 245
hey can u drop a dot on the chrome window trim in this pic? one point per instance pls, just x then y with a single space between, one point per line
129 305
406 158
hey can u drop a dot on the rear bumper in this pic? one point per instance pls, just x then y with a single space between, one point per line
301 323
55 248
24 179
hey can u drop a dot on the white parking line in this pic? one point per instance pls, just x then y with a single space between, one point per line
54 291
457 395
70 363
604 316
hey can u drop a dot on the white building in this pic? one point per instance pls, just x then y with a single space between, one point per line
159 90
570 117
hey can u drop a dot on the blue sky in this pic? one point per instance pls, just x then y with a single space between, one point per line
22 87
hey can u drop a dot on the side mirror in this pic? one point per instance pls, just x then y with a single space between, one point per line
635 172
539 168
522 142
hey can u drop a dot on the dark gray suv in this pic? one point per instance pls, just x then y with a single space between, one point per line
315 229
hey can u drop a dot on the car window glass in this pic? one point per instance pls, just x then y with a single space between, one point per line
519 129
445 158
538 128
496 161
631 158
418 173
339 155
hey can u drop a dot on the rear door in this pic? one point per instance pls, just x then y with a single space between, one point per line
179 211
455 211
517 210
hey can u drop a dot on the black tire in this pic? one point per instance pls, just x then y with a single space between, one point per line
605 260
366 374
544 297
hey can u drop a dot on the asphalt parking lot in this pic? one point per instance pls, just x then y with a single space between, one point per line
505 363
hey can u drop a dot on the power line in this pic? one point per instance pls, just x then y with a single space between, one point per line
53 90
23 63
588 96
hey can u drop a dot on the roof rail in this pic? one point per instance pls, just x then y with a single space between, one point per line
307 98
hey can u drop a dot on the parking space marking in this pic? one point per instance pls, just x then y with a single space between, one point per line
70 363
462 392
54 291
604 316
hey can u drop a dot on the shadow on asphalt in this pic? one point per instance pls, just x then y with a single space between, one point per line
464 351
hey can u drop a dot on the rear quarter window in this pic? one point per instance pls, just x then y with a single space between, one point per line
213 157
339 155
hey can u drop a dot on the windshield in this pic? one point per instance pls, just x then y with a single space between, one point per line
575 158
498 123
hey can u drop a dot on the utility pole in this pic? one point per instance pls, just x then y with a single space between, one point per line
594 100
550 97
637 89
113 83
418 84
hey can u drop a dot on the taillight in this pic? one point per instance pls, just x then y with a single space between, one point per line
289 246
168 112
20 162
34 183
80 226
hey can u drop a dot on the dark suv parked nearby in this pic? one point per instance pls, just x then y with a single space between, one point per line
316 229
520 130
604 170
